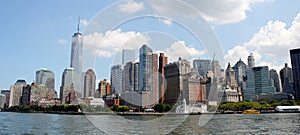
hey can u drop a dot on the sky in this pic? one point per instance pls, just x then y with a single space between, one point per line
37 34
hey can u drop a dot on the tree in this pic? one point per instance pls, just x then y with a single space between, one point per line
168 107
159 107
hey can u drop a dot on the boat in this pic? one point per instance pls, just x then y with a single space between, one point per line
251 111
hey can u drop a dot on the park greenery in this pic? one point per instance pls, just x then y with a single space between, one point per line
162 107
261 105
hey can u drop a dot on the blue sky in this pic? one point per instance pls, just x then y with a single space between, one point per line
37 34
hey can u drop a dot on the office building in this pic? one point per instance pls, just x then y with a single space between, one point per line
175 74
16 93
104 88
68 91
76 60
45 77
2 101
286 77
130 77
216 68
127 56
240 72
274 76
116 78
145 66
295 60
89 83
163 60
7 97
258 82
202 66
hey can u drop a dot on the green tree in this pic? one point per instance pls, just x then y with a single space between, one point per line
168 108
159 107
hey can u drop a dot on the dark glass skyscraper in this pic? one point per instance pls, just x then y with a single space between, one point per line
295 60
286 77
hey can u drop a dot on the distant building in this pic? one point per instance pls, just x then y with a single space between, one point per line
286 77
202 66
230 77
240 72
104 88
127 56
68 92
258 82
216 68
89 83
16 93
163 60
76 62
2 101
194 92
295 58
175 74
251 61
33 94
7 96
45 77
116 78
229 95
279 96
130 76
274 76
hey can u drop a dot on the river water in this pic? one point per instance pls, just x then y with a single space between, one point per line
39 123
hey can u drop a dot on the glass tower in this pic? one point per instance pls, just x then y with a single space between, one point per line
295 60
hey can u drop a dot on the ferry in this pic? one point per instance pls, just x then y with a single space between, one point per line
251 111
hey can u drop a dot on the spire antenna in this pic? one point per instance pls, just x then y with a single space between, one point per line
78 24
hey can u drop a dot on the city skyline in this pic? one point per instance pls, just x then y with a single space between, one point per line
57 60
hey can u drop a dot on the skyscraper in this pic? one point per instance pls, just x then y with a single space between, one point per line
16 92
104 88
45 77
240 72
175 74
127 56
163 60
274 76
116 78
295 60
89 83
258 82
145 66
202 66
67 88
251 61
286 77
76 59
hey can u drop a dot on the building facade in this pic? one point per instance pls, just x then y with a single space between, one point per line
258 82
116 74
76 61
89 83
68 89
7 97
286 77
251 61
202 66
45 77
163 60
16 93
274 76
295 60
104 88
240 72
230 77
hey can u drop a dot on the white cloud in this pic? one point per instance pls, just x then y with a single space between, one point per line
179 49
215 11
62 41
131 6
108 43
167 21
270 45
83 22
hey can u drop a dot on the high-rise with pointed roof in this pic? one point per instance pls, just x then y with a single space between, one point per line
76 58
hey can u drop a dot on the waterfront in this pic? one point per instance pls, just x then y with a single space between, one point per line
39 123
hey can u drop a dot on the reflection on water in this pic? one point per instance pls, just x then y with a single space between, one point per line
28 123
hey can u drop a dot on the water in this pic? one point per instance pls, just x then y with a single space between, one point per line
39 123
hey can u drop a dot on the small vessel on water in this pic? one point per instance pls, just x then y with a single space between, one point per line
251 111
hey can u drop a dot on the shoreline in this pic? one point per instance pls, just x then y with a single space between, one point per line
142 113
